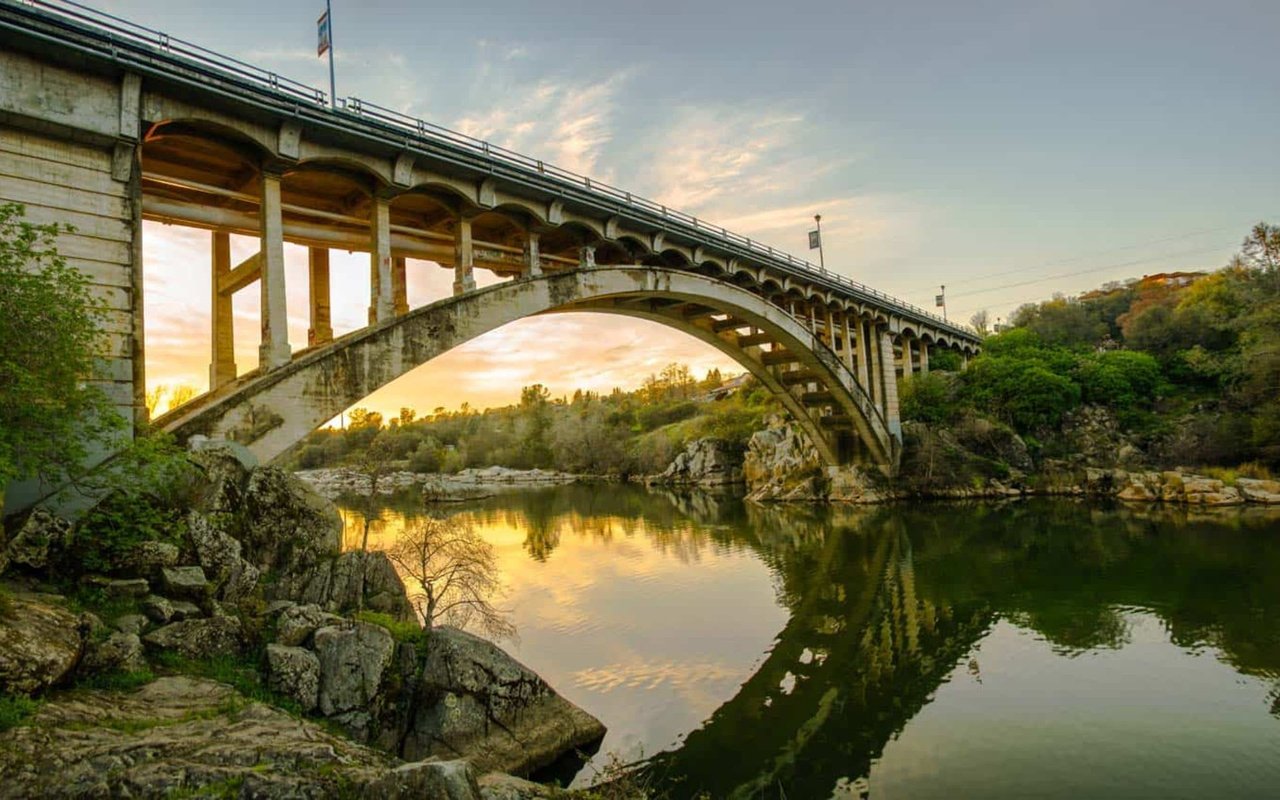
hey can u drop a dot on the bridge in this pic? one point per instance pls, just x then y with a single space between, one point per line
105 123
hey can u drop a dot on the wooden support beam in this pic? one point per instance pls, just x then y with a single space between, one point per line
798 376
728 325
774 357
823 398
755 339
242 275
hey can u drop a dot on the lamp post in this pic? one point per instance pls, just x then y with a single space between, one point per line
822 262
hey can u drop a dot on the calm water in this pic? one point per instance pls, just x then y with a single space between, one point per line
1042 649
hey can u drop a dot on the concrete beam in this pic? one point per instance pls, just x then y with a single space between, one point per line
274 351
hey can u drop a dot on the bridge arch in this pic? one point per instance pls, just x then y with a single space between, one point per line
271 412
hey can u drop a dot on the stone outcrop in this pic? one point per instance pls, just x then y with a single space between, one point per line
295 673
120 651
782 465
471 483
29 547
199 639
40 643
704 462
476 702
339 584
352 661
1259 491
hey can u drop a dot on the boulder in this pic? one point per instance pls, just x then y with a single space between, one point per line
478 703
219 554
158 609
183 609
40 643
180 736
117 587
1259 491
781 464
226 466
289 528
294 672
352 661
188 582
501 786
704 462
30 545
199 639
439 780
296 624
352 581
131 623
148 557
119 652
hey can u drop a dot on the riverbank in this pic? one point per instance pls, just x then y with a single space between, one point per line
235 649
467 484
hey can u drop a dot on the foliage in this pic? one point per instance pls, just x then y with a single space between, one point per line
15 710
928 398
452 576
409 632
119 681
49 341
149 487
6 603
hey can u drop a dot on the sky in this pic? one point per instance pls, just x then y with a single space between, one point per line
1009 150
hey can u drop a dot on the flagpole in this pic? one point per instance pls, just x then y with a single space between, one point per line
333 92
821 260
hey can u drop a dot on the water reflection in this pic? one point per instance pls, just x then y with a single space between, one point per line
794 646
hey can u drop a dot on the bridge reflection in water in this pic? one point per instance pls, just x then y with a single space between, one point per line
886 606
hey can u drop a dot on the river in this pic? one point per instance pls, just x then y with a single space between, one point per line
1048 649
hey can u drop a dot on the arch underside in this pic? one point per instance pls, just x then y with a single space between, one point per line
271 412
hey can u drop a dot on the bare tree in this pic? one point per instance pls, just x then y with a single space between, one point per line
453 576
373 463
981 322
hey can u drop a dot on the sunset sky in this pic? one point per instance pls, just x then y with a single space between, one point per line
1007 150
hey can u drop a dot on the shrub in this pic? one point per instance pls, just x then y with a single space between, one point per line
928 398
6 603
14 710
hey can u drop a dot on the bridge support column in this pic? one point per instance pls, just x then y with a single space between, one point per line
907 357
222 366
321 330
924 358
399 289
830 328
532 259
587 257
464 259
868 348
380 306
890 401
850 359
859 348
274 351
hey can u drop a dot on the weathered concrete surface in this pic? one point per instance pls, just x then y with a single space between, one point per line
270 412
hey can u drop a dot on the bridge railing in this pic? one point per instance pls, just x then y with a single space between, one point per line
428 131
179 52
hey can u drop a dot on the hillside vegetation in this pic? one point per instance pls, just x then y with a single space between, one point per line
1189 363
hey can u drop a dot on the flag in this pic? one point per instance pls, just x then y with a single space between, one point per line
815 240
940 300
322 34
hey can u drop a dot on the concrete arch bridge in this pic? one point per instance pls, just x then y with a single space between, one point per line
166 131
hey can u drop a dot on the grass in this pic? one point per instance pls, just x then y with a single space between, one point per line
408 632
241 673
219 789
1228 475
106 607
118 681
15 710
6 603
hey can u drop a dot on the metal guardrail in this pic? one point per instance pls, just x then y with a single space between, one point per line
178 50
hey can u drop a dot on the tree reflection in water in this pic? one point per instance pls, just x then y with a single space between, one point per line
885 603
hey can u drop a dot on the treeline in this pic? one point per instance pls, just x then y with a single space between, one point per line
1189 363
621 433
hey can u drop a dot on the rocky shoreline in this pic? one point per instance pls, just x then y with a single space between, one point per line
249 656
468 484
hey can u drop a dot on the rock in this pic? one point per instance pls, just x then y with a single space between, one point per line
501 786
132 623
147 557
296 624
1259 491
184 582
158 609
119 652
288 527
704 462
117 587
439 780
180 736
219 554
199 638
352 660
993 441
294 672
226 467
478 703
40 643
183 609
781 464
39 533
337 585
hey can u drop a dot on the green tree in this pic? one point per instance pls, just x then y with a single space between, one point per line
49 337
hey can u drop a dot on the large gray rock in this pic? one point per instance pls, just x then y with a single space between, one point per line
118 652
294 672
289 528
781 465
187 737
501 786
188 582
226 467
1259 491
439 780
352 661
158 609
352 581
40 643
148 557
39 534
704 462
199 638
295 624
219 553
478 703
